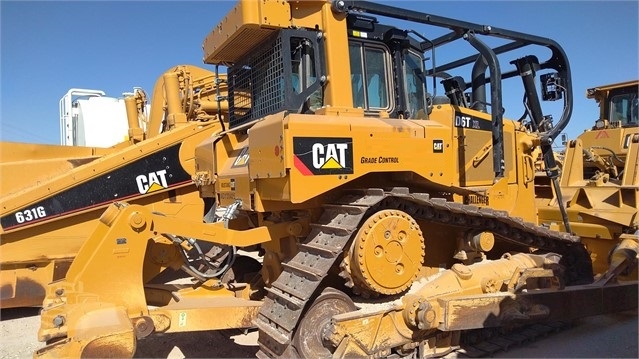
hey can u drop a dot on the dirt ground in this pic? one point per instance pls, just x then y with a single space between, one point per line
605 336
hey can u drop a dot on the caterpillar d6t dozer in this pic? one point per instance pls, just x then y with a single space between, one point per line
46 216
357 212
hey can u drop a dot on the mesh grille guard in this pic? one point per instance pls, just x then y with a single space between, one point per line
286 71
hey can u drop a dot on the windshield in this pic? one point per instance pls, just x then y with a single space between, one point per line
623 109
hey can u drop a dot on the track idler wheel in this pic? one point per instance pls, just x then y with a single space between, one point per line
386 254
311 339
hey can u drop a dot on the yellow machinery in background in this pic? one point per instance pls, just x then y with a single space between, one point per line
600 176
357 212
48 214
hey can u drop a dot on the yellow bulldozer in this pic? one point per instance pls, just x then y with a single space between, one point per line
46 218
351 210
600 176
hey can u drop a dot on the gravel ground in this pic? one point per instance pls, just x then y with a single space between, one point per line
19 332
605 336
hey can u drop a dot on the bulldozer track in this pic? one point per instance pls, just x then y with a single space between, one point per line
481 343
289 294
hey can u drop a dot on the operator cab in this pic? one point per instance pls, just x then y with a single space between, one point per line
287 73
618 105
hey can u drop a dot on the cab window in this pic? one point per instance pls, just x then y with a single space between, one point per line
369 76
414 82
623 109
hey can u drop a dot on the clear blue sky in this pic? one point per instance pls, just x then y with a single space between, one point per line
50 47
